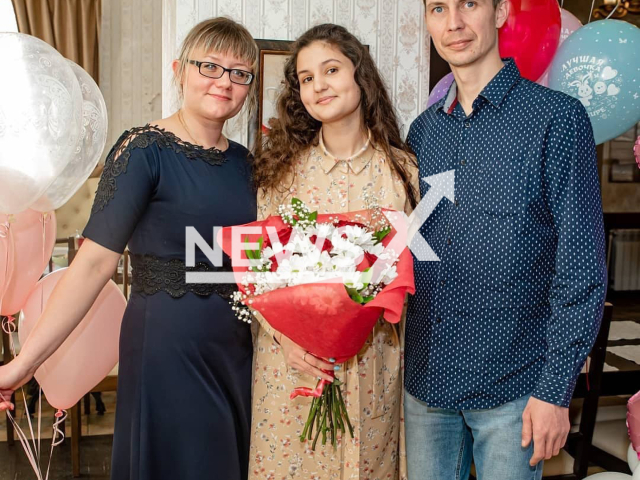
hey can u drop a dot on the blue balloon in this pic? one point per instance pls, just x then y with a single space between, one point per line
599 64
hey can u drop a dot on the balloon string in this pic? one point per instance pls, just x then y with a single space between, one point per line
614 10
26 411
593 2
43 219
561 3
61 416
4 233
39 421
8 325
24 441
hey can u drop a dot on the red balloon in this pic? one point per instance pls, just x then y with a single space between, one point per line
531 35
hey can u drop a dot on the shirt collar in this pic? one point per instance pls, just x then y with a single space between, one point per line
356 164
495 91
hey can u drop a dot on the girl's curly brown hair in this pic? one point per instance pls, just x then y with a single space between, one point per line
295 130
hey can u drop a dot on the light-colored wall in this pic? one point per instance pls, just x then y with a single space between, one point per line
393 29
130 81
131 63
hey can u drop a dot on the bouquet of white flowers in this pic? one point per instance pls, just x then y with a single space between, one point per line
323 281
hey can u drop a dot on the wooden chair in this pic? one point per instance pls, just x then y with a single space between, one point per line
6 358
108 384
579 444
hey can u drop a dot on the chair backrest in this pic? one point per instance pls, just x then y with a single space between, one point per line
6 350
119 277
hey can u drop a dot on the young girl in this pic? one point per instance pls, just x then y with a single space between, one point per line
184 384
336 147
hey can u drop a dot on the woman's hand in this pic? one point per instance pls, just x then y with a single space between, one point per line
12 377
298 358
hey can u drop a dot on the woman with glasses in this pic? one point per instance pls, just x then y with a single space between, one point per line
184 386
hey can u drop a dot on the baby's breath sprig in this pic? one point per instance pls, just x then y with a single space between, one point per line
239 307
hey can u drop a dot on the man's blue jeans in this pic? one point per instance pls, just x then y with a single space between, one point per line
442 443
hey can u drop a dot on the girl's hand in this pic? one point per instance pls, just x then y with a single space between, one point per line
298 358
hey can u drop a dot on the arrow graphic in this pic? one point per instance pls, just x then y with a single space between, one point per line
442 186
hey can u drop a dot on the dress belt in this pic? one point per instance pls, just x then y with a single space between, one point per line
151 274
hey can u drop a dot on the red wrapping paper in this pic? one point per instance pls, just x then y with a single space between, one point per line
321 317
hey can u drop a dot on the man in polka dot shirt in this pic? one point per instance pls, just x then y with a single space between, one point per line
501 325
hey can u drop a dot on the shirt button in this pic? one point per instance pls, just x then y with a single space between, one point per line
342 204
448 241
467 124
463 162
438 320
456 203
442 282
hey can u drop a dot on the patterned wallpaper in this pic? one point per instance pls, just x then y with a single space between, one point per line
393 29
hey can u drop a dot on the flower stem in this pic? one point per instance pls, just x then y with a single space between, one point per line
308 426
344 411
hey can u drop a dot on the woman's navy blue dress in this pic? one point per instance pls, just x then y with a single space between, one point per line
184 381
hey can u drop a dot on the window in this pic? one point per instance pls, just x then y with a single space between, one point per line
7 17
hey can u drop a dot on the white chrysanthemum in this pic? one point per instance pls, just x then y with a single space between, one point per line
376 249
343 263
388 275
344 247
359 236
273 250
322 230
353 280
299 243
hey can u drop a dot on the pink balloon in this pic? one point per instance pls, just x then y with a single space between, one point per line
440 90
568 24
90 352
544 79
633 422
6 253
32 236
636 151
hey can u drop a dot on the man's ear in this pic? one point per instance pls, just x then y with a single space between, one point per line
502 12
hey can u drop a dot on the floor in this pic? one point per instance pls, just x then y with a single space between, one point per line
622 352
97 430
95 445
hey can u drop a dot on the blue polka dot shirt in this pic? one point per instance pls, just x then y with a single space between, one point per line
514 304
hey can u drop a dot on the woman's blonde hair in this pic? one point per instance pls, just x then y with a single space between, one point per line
227 37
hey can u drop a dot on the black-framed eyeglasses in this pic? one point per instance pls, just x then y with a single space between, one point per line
213 70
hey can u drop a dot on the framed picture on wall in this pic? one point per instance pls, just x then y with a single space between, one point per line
272 55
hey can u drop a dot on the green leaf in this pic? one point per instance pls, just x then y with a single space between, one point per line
354 294
381 234
249 253
366 276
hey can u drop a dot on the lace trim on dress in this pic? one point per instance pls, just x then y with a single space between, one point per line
141 137
153 274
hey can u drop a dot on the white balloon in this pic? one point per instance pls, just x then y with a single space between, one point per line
40 119
89 148
632 459
609 476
